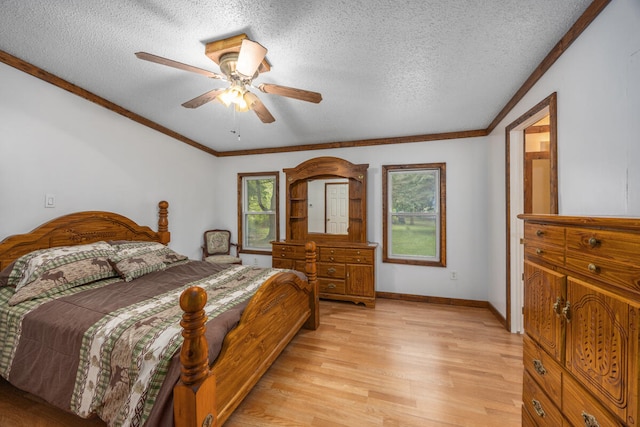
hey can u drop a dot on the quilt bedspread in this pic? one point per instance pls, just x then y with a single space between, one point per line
111 345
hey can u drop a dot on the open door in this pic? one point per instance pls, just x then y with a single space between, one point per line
532 187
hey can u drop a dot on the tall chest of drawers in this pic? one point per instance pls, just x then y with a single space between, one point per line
581 315
346 271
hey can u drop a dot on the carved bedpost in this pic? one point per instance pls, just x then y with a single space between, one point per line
163 222
312 277
194 395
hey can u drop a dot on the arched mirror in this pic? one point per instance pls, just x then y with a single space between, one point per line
326 201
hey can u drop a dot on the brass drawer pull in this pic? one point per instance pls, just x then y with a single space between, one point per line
593 242
556 306
539 233
593 268
331 270
538 408
539 367
331 286
539 251
589 420
566 311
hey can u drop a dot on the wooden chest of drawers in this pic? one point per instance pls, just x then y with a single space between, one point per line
345 271
581 312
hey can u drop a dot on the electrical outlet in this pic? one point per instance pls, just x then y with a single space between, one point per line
453 275
255 261
49 201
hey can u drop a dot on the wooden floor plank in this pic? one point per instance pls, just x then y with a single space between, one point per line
403 364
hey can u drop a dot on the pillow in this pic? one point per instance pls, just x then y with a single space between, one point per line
135 259
64 277
4 274
168 255
33 265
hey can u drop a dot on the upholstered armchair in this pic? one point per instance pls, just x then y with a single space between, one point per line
217 248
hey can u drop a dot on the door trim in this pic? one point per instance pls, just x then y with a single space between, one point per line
514 180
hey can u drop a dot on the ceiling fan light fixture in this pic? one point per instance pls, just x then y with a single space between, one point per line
233 95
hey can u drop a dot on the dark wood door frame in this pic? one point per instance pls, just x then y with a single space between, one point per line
551 103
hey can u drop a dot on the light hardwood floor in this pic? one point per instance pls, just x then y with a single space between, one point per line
400 364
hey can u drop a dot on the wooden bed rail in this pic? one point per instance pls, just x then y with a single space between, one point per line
195 403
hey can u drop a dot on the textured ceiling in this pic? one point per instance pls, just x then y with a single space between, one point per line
384 68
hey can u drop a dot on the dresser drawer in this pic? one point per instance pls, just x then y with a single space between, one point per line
283 263
619 274
543 369
331 255
545 254
359 256
527 419
539 405
287 251
582 409
331 286
606 245
543 234
330 270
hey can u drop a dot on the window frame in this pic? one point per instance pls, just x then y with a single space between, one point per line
242 214
440 259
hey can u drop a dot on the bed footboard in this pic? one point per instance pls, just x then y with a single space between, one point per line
283 304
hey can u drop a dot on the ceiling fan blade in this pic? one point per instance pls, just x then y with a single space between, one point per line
203 99
258 107
250 56
291 92
179 65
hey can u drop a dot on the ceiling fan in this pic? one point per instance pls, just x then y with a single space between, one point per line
241 61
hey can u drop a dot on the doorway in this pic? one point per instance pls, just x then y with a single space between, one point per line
336 215
530 188
540 184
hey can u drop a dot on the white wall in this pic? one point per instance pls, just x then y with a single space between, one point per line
466 211
93 159
598 85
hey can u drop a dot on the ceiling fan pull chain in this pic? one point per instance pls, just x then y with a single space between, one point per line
236 124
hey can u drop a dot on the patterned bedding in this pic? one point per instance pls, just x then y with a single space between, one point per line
111 347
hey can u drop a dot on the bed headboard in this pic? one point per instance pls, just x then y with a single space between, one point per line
81 228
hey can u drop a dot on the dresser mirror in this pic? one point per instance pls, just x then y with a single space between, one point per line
328 206
326 201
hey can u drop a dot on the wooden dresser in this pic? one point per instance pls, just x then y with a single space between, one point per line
581 307
346 260
345 271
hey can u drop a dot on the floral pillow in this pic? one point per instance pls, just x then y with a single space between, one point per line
47 271
135 259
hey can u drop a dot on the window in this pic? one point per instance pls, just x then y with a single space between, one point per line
258 218
413 204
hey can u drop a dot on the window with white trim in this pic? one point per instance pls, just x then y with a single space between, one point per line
258 221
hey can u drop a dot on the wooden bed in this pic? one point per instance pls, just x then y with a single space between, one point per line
205 395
